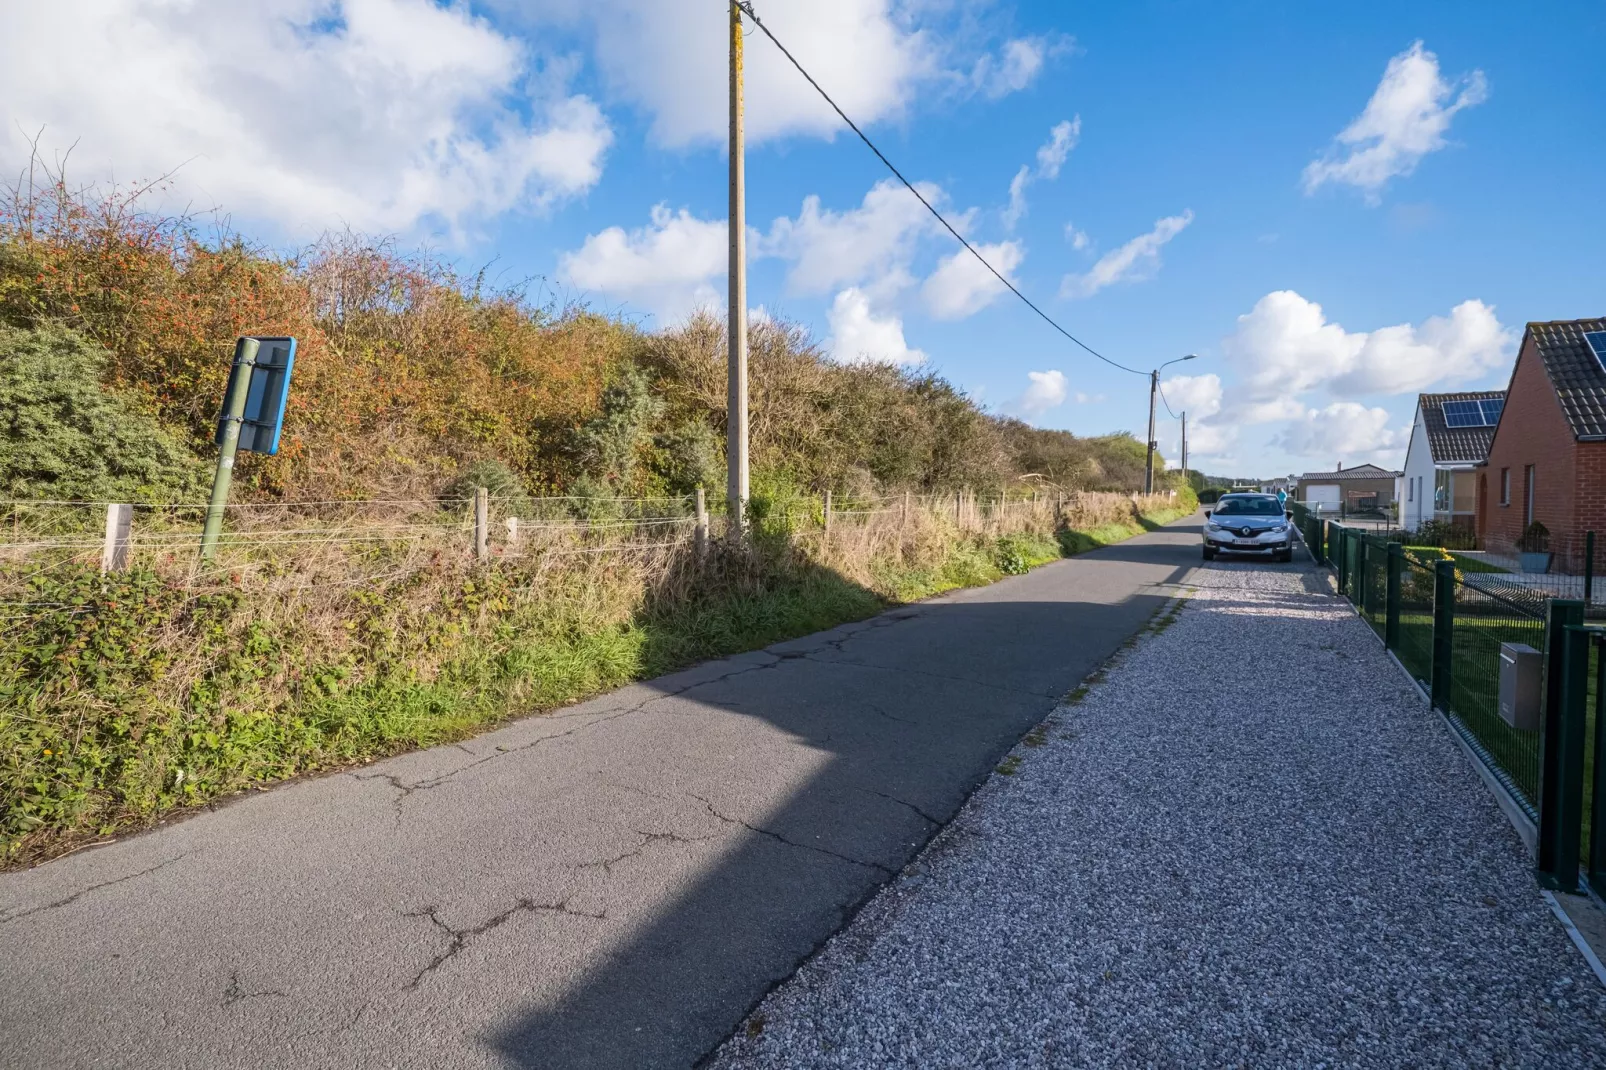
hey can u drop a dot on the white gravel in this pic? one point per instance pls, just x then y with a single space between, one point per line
1250 844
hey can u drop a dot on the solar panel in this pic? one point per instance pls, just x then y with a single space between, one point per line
1463 414
1597 346
1491 409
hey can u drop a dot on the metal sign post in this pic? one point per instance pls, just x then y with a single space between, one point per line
251 420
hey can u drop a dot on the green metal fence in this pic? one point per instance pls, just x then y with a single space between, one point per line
1482 622
1448 633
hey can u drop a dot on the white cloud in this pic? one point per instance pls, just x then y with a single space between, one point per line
831 249
669 266
1404 121
1138 259
378 114
1197 395
1017 196
1088 399
961 286
858 334
1046 390
1061 140
1051 157
1285 346
670 59
1078 238
1348 431
1018 64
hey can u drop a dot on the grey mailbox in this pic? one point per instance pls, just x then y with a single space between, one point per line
1519 686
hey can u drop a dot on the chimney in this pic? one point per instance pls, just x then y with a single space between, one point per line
1340 467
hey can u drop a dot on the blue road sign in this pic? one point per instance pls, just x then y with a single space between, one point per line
266 396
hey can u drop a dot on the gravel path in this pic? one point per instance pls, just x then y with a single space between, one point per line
1193 867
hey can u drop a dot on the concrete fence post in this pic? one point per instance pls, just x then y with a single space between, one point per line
119 525
512 523
700 532
904 519
482 523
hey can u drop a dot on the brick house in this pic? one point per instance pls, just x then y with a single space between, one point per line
1547 460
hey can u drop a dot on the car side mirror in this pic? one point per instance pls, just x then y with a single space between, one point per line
1207 514
1290 514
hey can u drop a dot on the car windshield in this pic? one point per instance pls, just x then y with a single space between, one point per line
1249 507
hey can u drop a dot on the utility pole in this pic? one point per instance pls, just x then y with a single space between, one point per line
736 480
1154 387
1148 462
1184 444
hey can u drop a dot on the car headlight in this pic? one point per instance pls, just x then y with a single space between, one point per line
1280 528
1214 527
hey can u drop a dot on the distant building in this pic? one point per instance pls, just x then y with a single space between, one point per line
1365 488
1450 437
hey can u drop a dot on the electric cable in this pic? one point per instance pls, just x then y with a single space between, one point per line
747 9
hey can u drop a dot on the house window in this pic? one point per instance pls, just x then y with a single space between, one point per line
1528 495
1441 491
1505 486
1410 490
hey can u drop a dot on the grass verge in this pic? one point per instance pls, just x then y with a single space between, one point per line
130 697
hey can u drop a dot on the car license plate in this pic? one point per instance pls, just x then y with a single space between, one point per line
1246 544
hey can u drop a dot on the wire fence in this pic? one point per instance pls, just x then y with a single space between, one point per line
1497 659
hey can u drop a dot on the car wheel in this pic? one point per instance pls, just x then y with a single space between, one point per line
1285 556
1209 553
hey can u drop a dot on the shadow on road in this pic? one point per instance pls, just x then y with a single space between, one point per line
915 709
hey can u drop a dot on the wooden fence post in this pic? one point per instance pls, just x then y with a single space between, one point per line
700 536
119 524
904 519
828 512
482 523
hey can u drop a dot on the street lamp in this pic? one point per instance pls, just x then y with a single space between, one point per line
1154 386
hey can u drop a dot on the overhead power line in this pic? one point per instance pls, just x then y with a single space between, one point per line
1161 388
747 9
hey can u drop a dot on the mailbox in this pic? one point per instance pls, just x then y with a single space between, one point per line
1519 686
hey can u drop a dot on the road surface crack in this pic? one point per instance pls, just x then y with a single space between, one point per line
459 939
904 803
404 790
778 838
235 993
647 840
8 918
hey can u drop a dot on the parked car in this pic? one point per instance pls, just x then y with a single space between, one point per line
1249 524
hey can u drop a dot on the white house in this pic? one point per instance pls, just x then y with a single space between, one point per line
1450 436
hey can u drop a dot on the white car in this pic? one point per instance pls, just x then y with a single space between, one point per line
1249 524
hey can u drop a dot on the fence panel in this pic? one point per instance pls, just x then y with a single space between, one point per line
1415 646
1374 581
1483 621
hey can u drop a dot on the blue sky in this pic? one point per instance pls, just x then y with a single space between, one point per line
1335 206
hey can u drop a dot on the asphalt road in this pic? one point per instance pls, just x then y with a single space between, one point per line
611 885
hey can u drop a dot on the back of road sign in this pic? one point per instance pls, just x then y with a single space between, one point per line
266 396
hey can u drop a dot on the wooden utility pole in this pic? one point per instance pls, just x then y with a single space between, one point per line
736 488
1184 445
1148 452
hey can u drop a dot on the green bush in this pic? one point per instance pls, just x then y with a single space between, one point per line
65 436
503 484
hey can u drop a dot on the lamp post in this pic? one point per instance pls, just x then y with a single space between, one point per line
1154 387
